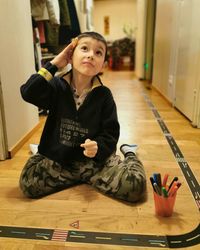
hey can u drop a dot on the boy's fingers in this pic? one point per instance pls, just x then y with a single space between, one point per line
74 42
85 144
89 144
89 153
72 45
69 46
68 50
90 148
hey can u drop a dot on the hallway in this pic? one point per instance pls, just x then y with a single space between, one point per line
142 114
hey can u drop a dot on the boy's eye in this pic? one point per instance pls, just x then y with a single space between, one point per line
99 53
84 48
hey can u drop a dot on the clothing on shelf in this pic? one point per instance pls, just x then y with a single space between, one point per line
66 31
64 13
57 22
46 10
40 26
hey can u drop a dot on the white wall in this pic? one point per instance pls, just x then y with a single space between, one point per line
177 55
120 13
16 65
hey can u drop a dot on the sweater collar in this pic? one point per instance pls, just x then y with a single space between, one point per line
96 82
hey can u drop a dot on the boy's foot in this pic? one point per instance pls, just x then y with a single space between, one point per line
128 148
33 148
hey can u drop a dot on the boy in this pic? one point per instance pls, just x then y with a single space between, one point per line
79 140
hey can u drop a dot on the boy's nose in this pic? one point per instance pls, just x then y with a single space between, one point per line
90 54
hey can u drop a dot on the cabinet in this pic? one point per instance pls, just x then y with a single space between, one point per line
187 78
121 54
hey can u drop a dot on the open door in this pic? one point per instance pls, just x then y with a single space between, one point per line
3 140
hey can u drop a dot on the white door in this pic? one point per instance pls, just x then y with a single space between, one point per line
3 142
187 58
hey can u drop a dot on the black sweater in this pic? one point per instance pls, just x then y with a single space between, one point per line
66 127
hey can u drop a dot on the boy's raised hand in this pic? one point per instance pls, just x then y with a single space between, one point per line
90 147
64 57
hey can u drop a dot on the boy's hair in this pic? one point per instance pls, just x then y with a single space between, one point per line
96 36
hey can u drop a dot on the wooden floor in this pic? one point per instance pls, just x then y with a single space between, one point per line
94 212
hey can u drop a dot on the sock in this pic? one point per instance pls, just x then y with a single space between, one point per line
33 148
128 149
129 154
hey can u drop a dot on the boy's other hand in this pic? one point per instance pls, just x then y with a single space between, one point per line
64 57
90 147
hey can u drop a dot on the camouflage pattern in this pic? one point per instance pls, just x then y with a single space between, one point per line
124 180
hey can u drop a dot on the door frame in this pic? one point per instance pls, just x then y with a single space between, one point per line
3 134
149 39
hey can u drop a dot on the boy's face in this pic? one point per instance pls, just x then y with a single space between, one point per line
88 56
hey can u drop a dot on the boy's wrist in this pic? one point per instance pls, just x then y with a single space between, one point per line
48 71
52 68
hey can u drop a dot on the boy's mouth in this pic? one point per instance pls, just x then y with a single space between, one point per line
88 63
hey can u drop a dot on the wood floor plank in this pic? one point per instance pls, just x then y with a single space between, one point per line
96 212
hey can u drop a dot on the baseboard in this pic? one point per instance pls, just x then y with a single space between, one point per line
21 142
163 96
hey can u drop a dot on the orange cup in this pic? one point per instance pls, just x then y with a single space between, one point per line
164 206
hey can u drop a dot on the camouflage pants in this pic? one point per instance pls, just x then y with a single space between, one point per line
119 179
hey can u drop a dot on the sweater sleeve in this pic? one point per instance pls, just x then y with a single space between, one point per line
110 129
39 88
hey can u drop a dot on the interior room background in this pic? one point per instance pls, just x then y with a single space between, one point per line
167 54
